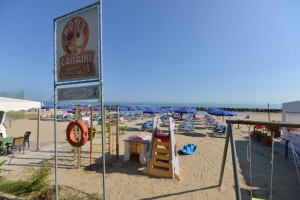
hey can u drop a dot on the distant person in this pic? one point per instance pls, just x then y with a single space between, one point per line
181 116
247 117
194 116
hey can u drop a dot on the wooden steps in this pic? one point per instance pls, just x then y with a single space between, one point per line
163 159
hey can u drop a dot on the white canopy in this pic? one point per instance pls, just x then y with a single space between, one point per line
10 104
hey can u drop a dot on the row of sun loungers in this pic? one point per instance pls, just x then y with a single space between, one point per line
217 128
187 125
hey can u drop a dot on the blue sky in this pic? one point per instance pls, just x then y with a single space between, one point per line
193 51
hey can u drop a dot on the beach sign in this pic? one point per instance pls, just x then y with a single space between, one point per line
77 46
90 92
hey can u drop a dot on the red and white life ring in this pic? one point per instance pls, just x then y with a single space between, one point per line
83 131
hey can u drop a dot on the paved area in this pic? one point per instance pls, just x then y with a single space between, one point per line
32 157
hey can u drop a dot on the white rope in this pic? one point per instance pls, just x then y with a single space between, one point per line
272 165
249 158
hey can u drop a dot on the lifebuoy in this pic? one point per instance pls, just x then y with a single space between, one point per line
83 131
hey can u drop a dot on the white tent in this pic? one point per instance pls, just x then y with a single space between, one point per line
291 113
10 104
2 127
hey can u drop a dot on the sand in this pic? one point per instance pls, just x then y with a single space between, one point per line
200 172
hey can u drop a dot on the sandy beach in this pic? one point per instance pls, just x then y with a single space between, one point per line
199 172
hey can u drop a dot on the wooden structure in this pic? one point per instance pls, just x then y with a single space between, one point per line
163 156
111 130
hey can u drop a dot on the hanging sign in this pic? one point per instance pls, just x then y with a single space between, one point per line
77 46
78 93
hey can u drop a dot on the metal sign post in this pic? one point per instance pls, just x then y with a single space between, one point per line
78 60
55 120
100 57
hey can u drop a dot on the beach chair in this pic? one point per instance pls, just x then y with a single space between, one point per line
17 144
165 120
221 130
60 117
3 149
26 138
187 126
147 126
122 120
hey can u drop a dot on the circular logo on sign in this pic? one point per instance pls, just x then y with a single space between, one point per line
75 35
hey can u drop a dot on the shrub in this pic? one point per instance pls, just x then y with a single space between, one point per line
38 181
257 134
123 129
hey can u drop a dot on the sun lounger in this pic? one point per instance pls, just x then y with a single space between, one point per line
187 126
123 120
220 130
147 126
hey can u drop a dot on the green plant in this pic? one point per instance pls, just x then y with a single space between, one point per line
267 139
257 134
265 136
66 193
21 115
273 128
123 129
94 132
2 163
38 181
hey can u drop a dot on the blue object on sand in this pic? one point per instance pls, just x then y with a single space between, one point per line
188 149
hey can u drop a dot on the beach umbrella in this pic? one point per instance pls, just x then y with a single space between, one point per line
164 110
222 113
173 109
186 111
218 112
96 108
210 109
139 108
121 108
66 107
152 110
47 107
131 108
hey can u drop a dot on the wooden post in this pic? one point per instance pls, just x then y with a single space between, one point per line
91 136
109 131
79 148
38 131
117 131
269 112
75 149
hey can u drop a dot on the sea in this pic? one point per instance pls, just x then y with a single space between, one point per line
159 105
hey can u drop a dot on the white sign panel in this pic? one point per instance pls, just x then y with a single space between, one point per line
77 46
78 93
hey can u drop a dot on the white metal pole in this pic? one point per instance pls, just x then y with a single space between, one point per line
55 120
101 94
55 144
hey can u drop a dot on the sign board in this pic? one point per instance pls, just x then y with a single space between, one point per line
77 46
78 93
